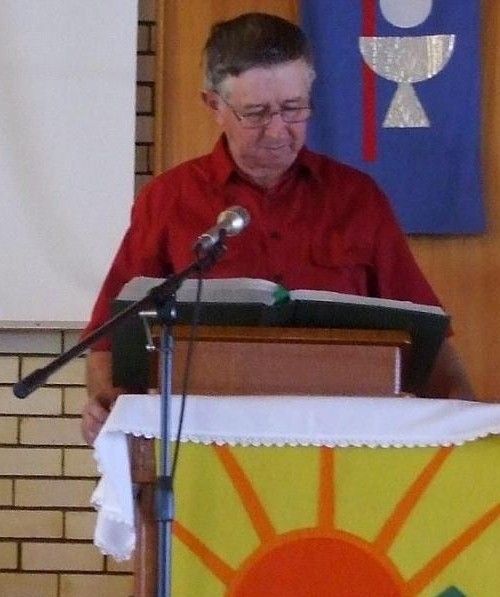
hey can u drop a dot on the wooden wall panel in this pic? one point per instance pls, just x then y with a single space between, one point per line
185 127
465 271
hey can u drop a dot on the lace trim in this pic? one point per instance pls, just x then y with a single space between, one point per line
121 556
338 443
237 440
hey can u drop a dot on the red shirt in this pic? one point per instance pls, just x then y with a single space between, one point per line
324 226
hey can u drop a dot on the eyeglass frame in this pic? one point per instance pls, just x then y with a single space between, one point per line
267 114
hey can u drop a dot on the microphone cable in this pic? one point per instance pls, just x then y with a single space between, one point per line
195 322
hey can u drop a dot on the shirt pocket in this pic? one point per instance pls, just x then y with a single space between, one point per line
343 268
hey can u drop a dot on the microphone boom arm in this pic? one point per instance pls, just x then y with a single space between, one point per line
156 296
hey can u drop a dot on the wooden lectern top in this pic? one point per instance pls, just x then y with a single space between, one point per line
304 361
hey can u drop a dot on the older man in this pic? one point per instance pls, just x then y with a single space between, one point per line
316 223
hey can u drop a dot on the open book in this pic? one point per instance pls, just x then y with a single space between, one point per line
254 302
223 290
254 290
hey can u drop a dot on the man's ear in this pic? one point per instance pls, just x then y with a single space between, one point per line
210 99
213 101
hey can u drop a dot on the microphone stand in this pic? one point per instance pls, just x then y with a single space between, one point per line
162 298
164 489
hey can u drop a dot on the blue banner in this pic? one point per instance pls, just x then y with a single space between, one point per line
398 96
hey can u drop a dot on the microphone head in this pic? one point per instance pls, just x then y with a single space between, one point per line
229 223
233 220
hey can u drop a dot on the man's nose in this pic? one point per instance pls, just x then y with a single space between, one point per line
276 125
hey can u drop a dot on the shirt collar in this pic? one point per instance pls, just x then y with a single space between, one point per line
224 166
309 162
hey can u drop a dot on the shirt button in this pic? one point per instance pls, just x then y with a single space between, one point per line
275 235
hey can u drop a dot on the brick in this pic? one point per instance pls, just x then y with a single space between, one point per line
142 159
18 462
72 373
31 524
21 585
54 493
151 157
6 487
30 341
144 131
9 369
61 556
53 432
44 401
8 430
146 68
74 400
8 556
80 525
71 338
147 10
80 585
79 463
154 38
144 38
144 99
113 566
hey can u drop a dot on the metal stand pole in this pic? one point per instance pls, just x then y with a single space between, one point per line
164 485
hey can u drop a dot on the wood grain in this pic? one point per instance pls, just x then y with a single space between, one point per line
465 271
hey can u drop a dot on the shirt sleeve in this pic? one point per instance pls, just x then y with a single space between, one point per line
398 274
142 252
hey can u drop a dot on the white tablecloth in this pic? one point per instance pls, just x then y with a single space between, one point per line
270 420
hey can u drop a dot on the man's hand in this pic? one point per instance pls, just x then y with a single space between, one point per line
102 394
96 411
449 378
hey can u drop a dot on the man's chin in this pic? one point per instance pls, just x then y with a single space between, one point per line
281 156
280 150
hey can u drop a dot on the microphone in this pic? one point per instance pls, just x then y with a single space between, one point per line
230 222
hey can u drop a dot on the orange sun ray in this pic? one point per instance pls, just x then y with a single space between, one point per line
217 566
250 500
402 511
326 493
429 572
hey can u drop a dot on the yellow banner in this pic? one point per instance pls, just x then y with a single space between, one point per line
342 522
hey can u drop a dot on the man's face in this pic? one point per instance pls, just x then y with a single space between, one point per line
267 151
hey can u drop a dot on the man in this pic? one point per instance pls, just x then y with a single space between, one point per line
315 223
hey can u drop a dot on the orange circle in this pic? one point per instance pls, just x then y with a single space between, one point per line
313 565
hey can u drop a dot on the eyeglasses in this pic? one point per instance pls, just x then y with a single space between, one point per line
262 117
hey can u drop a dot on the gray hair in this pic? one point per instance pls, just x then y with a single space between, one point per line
252 40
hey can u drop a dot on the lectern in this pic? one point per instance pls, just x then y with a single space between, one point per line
267 361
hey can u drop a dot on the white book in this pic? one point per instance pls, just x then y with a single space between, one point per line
355 299
214 290
265 292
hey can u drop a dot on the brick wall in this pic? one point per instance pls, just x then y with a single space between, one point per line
47 474
146 48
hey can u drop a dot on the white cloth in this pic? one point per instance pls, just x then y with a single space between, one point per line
270 421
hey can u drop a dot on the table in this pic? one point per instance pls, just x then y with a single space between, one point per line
281 495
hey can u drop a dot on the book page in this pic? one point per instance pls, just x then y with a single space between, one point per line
254 290
214 290
339 297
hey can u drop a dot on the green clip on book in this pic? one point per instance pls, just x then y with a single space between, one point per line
254 302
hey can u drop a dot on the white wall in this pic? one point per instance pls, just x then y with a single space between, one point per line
67 111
